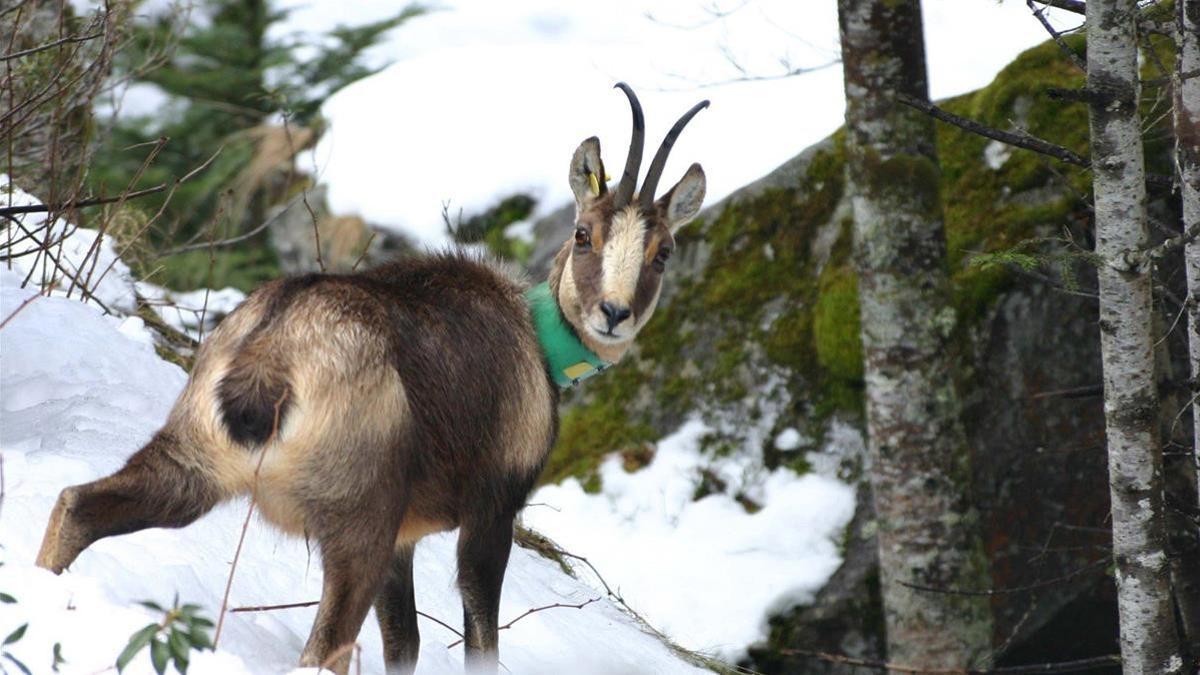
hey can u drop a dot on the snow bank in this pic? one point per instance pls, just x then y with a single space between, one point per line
74 255
78 396
487 99
706 571
196 312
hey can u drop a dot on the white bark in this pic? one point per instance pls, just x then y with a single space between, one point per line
920 476
1149 643
1187 158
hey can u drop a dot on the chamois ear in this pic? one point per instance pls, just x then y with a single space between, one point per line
683 201
587 173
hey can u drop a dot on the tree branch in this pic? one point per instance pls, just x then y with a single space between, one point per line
534 610
1075 6
1023 140
1060 667
1056 36
50 45
68 206
1019 140
1005 591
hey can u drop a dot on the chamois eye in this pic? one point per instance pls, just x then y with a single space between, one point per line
582 238
660 259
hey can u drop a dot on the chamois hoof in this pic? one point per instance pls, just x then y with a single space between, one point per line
62 542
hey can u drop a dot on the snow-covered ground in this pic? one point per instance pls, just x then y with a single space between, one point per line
706 572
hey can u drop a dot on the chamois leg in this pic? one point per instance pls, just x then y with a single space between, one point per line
396 610
153 489
482 558
356 549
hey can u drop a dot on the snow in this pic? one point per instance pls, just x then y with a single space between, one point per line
190 311
995 154
705 571
789 439
78 256
487 99
78 395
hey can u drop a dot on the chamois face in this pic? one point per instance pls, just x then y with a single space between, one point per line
609 274
612 268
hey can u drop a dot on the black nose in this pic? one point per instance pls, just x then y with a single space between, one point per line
614 314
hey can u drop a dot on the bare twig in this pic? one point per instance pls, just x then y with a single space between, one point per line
20 307
232 240
1159 251
287 130
50 45
1060 667
366 249
1056 36
750 77
1075 6
535 610
714 12
1025 140
44 208
1096 564
246 523
271 608
1073 392
313 603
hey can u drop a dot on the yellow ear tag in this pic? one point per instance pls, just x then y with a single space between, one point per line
607 178
594 183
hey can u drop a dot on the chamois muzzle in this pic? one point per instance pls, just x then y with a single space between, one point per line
613 314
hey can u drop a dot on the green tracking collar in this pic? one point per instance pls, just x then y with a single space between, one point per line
569 361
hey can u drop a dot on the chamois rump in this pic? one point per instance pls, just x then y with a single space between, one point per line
413 398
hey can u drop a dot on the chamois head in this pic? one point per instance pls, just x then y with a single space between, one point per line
607 277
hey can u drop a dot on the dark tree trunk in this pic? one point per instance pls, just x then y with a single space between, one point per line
920 461
1185 568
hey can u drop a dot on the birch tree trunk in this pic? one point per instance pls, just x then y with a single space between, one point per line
1148 638
920 462
1187 159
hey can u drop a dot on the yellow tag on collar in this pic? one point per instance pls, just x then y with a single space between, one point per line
578 370
594 183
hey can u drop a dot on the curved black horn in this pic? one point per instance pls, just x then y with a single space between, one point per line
633 161
660 157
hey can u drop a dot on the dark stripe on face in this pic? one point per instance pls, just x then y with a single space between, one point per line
651 280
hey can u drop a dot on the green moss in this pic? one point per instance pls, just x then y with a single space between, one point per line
788 339
587 433
836 324
990 209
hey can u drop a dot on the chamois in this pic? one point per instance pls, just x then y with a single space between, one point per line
413 398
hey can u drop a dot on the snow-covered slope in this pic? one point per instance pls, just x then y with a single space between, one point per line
78 395
488 98
705 571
